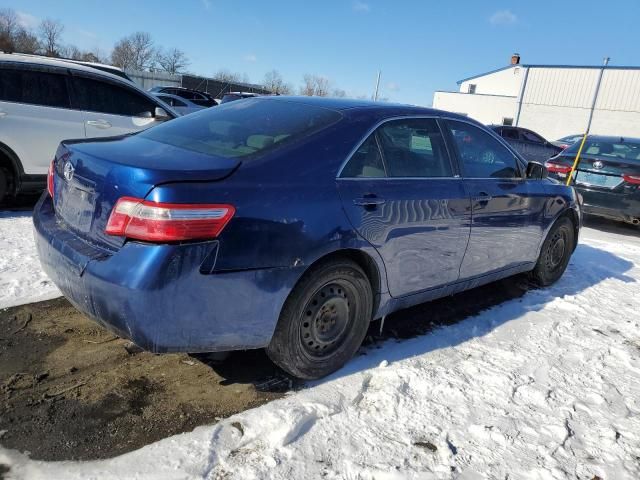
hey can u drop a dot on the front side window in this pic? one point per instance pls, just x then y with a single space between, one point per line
243 129
102 97
34 87
414 148
481 155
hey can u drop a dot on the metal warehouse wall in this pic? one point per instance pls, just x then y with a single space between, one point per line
147 80
556 101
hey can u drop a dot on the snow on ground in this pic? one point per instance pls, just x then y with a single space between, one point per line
21 279
546 386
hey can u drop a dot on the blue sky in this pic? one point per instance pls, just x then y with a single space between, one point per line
420 46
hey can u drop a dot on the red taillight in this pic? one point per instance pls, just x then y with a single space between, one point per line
557 167
564 145
50 174
632 179
167 222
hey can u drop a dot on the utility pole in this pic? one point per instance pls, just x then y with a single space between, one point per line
375 95
595 94
576 162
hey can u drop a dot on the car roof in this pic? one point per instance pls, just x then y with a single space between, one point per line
170 95
60 63
614 139
342 104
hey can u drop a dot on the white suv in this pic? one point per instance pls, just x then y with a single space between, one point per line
44 101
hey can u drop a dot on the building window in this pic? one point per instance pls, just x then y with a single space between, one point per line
507 121
472 88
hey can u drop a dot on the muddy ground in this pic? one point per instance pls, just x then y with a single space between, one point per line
71 390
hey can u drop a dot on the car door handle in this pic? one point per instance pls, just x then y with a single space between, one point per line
369 201
482 197
99 123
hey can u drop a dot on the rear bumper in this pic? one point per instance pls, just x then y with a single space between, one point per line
157 296
616 206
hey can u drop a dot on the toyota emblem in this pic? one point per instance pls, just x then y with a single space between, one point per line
598 164
68 171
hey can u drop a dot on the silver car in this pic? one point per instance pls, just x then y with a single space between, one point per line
179 104
44 101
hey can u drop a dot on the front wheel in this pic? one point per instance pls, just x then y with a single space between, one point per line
555 253
324 320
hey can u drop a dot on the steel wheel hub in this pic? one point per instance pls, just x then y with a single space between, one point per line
325 320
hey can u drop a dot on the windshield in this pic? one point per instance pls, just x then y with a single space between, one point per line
243 129
611 149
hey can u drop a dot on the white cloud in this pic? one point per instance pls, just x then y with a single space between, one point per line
206 4
361 7
250 58
26 20
503 17
393 87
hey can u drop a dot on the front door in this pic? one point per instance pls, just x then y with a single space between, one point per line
400 193
507 209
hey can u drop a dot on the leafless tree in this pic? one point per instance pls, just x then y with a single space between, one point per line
135 52
338 93
50 33
25 42
315 86
274 82
8 27
226 76
173 61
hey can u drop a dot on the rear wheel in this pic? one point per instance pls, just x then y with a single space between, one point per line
555 253
4 184
324 320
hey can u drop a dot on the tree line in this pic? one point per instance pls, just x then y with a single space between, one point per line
138 51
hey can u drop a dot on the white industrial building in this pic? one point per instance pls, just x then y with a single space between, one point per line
553 100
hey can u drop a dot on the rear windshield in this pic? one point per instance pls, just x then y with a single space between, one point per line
608 149
243 129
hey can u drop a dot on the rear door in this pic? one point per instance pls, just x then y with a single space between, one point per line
109 108
507 209
35 114
400 193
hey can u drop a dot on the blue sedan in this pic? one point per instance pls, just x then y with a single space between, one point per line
291 223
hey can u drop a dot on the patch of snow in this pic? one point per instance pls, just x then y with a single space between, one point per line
546 386
21 278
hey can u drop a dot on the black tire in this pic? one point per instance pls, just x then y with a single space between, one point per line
324 320
555 253
4 184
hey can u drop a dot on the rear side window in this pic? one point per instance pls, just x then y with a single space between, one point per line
102 97
414 148
243 129
608 149
481 155
34 87
510 133
528 136
366 162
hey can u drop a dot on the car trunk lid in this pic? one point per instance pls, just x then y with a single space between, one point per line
90 177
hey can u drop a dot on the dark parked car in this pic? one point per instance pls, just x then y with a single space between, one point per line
607 177
529 144
202 99
233 96
290 223
567 141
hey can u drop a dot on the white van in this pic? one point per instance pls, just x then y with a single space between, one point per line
44 101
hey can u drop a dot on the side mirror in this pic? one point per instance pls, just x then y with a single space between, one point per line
536 170
161 114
